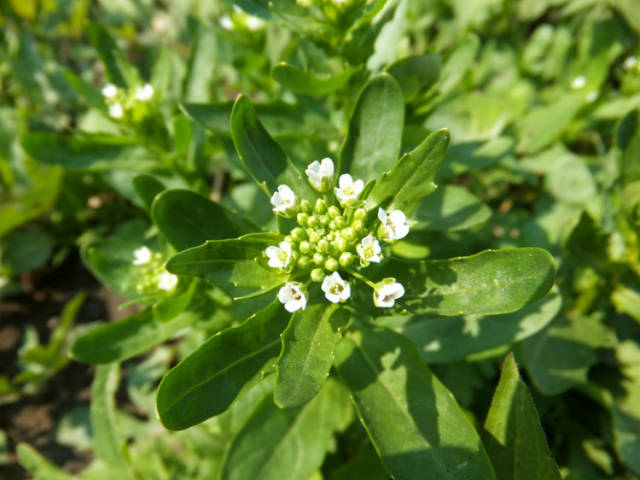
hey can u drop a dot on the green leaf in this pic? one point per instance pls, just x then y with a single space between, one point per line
209 380
488 283
629 143
308 346
86 90
126 338
450 208
147 187
287 444
188 219
96 152
416 73
25 249
559 357
412 176
413 421
307 83
512 433
450 339
110 54
263 158
108 442
363 464
39 466
375 130
237 261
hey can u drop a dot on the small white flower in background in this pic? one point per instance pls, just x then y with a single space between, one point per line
335 288
109 90
167 281
284 200
116 111
144 93
320 174
394 225
387 292
347 190
592 96
630 62
254 23
141 256
3 281
369 250
280 256
578 82
292 297
226 22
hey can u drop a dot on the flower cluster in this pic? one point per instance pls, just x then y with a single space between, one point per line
127 103
155 276
330 237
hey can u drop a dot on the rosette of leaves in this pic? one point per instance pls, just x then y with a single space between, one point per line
324 349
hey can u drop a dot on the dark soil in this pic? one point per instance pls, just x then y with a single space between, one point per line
31 417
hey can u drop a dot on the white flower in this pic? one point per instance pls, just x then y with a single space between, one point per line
226 22
348 190
280 256
630 62
386 293
292 297
335 288
116 111
578 82
394 225
144 93
109 90
321 174
369 250
592 96
284 200
167 281
141 256
254 23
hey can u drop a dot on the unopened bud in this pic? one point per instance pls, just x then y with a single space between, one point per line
358 226
305 206
304 247
318 258
360 214
348 233
302 219
341 244
298 234
304 262
324 219
323 246
334 211
346 259
331 264
341 222
317 275
312 221
321 206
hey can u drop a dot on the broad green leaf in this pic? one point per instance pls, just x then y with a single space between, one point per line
542 125
96 152
416 73
450 339
450 208
629 9
512 433
108 441
413 421
363 464
236 261
287 444
86 90
108 52
363 33
559 357
25 249
39 466
308 346
263 158
206 382
307 83
488 283
626 299
147 187
473 156
201 65
629 144
188 219
375 130
412 176
131 336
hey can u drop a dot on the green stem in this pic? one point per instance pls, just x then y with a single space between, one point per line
360 277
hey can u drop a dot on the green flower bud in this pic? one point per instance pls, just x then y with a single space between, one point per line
317 275
332 225
314 236
341 244
331 264
358 226
324 219
334 211
313 221
323 245
360 214
321 206
304 247
302 219
305 206
348 233
341 222
346 259
331 236
298 234
304 261
288 239
318 258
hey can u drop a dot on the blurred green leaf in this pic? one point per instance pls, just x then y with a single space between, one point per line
512 433
39 466
147 187
450 208
308 83
416 73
